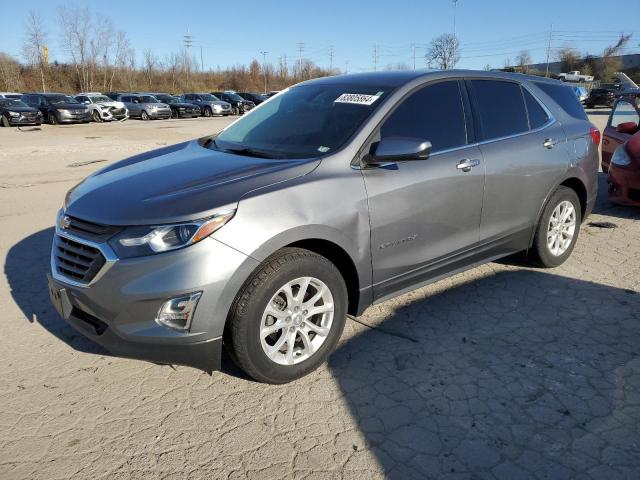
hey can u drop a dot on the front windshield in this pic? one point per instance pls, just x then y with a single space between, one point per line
306 121
210 98
100 98
166 98
59 99
10 102
235 97
148 99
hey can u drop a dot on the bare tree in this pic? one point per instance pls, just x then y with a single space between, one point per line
76 31
150 64
9 73
35 47
569 59
121 52
444 51
523 60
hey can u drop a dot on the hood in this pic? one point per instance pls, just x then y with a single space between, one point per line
20 109
111 103
173 184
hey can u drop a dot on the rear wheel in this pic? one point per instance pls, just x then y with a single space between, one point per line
144 115
288 317
558 229
5 121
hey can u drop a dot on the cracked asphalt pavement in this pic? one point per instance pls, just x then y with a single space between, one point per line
501 372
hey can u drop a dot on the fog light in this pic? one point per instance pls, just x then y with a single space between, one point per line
177 312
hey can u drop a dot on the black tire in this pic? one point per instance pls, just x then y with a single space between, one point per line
53 120
144 115
95 116
589 105
174 113
540 254
235 111
208 112
242 330
5 121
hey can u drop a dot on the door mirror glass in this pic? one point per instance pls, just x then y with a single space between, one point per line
400 148
627 127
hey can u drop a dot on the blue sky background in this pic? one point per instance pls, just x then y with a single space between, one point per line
490 31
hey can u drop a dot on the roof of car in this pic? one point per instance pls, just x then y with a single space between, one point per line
398 78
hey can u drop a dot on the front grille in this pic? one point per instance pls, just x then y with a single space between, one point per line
76 260
91 231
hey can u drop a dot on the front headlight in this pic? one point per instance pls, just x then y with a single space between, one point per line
142 241
620 157
14 114
154 108
62 110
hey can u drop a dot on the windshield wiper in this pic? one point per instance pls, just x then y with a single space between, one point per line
248 152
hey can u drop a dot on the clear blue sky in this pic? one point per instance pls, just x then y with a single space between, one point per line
490 31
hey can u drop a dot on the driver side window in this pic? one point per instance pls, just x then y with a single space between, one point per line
434 113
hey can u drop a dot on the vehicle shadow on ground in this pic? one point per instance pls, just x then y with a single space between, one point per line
26 267
520 374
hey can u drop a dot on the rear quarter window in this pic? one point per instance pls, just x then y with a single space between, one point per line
565 98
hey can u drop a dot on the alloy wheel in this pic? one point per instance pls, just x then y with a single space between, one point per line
561 228
296 321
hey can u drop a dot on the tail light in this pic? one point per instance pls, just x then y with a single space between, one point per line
595 135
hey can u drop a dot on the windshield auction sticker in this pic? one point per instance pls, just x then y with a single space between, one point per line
357 98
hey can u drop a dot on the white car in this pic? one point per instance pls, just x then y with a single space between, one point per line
575 76
14 95
102 108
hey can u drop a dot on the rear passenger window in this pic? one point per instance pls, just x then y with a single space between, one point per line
537 116
500 108
565 98
433 113
623 112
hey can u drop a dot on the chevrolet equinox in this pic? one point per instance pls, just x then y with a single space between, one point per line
332 195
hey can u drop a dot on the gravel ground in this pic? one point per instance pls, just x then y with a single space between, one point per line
502 372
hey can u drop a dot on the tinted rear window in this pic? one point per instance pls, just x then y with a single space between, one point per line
537 116
500 107
565 98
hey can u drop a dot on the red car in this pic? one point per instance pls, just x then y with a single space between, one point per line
621 153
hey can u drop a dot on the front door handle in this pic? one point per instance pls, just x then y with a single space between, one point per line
467 164
549 143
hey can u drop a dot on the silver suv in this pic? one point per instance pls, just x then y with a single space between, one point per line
335 194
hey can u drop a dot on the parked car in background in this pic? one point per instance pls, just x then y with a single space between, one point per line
103 108
13 95
144 107
231 240
622 124
631 94
15 112
209 104
58 108
238 104
623 178
601 96
179 107
271 93
256 98
575 76
581 93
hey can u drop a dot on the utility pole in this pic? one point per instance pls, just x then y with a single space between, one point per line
331 52
264 69
300 49
549 49
201 61
188 43
375 57
413 48
455 11
286 66
346 66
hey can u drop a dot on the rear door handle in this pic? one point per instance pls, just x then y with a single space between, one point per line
549 143
467 164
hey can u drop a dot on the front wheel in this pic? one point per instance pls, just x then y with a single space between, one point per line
288 317
5 121
144 115
174 113
208 112
558 229
96 116
53 120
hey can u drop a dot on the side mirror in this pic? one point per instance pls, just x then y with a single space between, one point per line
394 149
627 127
86 102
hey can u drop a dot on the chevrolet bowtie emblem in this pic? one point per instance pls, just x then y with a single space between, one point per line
65 222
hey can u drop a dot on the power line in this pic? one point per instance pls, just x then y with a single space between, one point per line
331 52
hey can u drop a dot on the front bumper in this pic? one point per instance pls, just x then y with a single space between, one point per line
25 120
160 114
624 185
73 117
118 309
